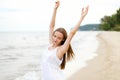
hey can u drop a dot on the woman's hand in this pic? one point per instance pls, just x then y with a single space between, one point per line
57 3
84 11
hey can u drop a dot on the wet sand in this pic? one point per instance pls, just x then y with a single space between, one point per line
106 65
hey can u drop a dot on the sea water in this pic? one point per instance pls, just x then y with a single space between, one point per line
20 53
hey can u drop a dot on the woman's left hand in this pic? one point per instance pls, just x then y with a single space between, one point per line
57 4
84 11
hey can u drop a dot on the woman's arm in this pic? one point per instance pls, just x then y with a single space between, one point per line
52 23
83 14
65 46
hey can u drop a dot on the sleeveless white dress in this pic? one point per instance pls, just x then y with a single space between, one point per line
50 66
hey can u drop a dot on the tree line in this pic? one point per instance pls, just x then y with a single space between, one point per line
111 23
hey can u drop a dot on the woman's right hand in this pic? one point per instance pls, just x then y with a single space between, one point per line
57 3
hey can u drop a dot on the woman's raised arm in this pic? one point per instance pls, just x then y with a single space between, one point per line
52 23
83 14
65 46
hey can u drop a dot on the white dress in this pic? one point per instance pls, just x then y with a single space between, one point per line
50 66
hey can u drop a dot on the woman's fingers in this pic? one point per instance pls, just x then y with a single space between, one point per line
84 11
57 3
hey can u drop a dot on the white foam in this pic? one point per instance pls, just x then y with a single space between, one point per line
29 76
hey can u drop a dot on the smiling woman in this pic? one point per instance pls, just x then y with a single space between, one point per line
59 50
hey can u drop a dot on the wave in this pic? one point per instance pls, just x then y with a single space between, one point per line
32 75
7 48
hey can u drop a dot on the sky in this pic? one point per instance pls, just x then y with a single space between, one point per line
35 15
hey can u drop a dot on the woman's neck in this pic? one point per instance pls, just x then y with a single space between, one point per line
54 46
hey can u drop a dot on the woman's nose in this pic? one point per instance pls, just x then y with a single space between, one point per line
55 39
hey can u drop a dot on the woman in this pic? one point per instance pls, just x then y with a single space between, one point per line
59 51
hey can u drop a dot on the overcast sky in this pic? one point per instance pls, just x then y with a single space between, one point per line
35 15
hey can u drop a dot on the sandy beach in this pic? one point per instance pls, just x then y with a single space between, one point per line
105 66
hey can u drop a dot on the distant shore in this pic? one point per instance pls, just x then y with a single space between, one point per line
105 66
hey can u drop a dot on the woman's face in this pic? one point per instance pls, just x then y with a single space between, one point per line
57 38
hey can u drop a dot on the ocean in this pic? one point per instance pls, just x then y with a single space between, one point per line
21 52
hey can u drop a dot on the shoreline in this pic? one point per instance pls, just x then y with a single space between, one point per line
81 45
105 66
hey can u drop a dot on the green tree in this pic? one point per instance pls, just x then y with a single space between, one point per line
111 23
118 16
